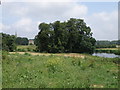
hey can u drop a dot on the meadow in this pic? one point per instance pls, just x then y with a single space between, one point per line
24 48
58 71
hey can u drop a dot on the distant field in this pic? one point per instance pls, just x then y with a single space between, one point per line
106 48
26 47
49 54
58 71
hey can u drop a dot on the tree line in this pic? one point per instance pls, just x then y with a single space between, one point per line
21 41
10 42
72 36
107 44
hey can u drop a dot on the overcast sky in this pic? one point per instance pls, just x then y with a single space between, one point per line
24 17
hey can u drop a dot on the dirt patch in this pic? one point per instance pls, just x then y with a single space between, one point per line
48 54
71 55
97 86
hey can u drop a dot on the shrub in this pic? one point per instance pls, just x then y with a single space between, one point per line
21 50
5 55
53 65
27 54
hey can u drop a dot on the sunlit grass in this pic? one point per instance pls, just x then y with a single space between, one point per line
26 47
107 49
34 71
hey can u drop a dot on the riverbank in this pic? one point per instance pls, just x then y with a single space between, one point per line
108 50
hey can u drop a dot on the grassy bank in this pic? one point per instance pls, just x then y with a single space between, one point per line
40 71
32 48
108 50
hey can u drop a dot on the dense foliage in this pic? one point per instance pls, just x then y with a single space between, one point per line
21 41
70 36
8 42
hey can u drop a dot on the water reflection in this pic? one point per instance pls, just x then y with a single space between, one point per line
107 55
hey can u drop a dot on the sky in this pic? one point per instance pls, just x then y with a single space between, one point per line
24 17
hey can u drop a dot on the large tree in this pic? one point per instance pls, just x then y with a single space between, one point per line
8 42
70 36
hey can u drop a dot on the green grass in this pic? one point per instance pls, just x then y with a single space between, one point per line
27 71
24 48
108 50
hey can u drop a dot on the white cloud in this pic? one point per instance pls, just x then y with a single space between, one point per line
38 22
40 0
20 11
42 12
3 27
45 11
24 22
25 27
60 0
104 24
77 11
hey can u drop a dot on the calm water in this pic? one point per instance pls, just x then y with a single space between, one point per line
108 55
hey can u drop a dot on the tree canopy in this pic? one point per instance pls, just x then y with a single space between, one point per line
8 42
70 36
21 41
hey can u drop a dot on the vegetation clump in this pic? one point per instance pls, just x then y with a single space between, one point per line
71 36
8 42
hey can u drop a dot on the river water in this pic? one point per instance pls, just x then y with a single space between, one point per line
107 55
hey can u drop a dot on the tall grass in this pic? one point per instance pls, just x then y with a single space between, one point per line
25 48
27 71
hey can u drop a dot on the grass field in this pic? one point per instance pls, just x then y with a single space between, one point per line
58 71
24 48
107 49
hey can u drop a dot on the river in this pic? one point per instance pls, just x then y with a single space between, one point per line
107 55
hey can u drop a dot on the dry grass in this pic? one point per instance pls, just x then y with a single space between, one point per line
48 54
107 49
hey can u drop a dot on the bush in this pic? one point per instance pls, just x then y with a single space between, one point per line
5 55
53 65
27 54
8 42
21 50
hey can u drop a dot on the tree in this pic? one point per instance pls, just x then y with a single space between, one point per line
71 36
8 42
43 38
21 41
